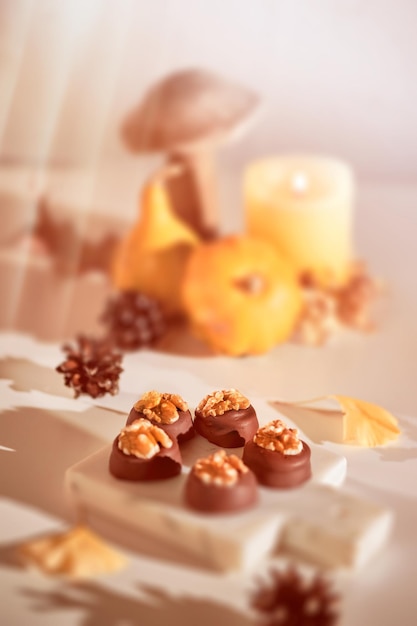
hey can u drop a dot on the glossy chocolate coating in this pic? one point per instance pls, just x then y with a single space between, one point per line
209 498
165 464
275 469
181 430
230 430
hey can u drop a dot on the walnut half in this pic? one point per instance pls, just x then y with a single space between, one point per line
277 436
161 407
220 469
143 439
218 402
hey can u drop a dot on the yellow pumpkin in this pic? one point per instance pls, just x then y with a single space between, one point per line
152 257
241 297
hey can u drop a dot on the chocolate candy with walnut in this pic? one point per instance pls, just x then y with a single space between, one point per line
168 411
226 418
143 452
278 457
220 484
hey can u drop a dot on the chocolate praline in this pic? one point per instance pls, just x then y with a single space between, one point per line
276 469
212 498
165 464
182 429
230 430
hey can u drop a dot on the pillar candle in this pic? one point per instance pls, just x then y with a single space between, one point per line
303 205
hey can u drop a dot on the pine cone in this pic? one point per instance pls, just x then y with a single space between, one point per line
91 367
288 600
328 309
318 319
133 320
356 299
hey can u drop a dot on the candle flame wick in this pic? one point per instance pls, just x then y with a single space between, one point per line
299 182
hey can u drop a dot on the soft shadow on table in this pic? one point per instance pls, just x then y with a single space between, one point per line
102 607
397 453
44 447
180 341
27 375
9 556
394 452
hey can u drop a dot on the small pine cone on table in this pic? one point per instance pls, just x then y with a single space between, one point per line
134 320
91 367
287 599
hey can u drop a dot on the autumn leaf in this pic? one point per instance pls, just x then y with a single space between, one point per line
367 424
77 553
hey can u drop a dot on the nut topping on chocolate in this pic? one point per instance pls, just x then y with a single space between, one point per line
143 439
278 437
160 407
220 469
218 402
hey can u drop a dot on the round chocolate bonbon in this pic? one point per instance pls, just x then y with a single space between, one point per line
182 430
226 418
208 498
220 484
167 411
276 469
160 459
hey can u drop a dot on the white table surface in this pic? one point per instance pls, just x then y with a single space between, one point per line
49 432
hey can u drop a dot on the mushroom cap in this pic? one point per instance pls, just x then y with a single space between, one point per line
186 110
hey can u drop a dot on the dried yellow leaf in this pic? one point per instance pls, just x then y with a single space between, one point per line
367 424
77 553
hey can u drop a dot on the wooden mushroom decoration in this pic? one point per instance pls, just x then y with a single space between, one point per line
187 114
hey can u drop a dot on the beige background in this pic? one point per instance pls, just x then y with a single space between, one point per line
336 77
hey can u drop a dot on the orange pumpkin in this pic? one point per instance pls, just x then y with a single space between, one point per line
153 255
241 297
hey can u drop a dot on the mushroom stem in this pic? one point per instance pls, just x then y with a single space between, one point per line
193 192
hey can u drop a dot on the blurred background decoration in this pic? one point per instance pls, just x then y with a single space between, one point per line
334 79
